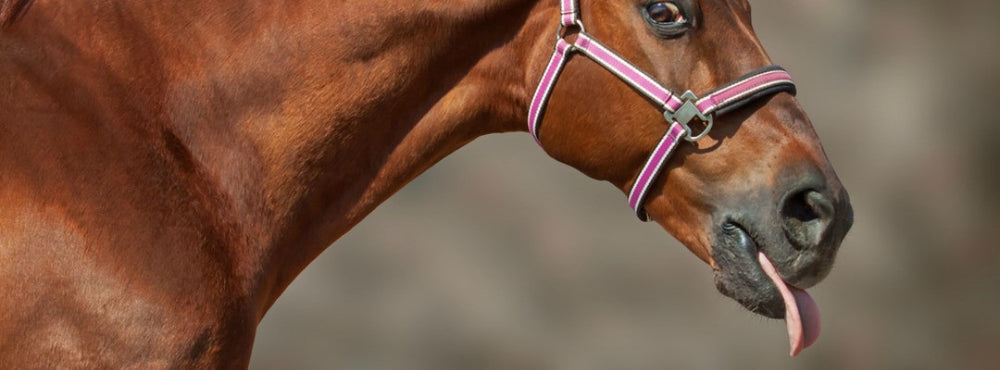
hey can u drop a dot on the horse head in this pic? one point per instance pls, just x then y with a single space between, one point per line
756 198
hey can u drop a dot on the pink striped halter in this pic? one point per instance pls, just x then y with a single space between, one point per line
679 111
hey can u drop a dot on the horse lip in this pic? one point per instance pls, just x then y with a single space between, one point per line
747 241
755 246
738 273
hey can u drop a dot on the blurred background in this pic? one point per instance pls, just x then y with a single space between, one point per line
500 257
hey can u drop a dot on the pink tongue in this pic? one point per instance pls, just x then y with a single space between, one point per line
802 317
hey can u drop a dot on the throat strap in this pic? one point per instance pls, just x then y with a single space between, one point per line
569 15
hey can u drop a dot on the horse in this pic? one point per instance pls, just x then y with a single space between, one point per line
168 167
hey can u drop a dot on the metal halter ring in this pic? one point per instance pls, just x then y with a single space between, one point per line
577 24
688 112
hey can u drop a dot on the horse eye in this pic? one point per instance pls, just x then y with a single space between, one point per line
665 12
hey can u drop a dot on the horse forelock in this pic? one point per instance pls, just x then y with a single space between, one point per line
11 10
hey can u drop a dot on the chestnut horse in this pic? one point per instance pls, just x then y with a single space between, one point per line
168 167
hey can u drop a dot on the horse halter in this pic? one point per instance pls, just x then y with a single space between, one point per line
679 111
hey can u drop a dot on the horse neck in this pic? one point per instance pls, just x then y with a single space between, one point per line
362 109
396 104
289 122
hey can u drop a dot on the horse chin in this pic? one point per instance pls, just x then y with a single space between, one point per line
738 274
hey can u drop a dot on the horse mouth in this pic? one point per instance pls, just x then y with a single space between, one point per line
744 273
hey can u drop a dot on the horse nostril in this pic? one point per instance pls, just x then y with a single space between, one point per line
806 215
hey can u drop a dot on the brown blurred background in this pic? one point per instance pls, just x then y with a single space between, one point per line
500 257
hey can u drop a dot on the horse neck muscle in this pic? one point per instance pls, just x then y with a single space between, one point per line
341 112
398 101
292 120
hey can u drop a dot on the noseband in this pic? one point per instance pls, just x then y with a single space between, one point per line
679 111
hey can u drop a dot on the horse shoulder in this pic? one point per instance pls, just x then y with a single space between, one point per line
81 288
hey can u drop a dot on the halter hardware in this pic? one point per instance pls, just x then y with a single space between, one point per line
564 29
688 112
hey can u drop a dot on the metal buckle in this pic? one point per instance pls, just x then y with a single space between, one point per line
687 112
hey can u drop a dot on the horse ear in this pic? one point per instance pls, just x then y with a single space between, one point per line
10 10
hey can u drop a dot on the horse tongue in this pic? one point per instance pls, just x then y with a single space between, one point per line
801 312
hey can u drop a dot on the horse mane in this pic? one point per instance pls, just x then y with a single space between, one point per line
11 10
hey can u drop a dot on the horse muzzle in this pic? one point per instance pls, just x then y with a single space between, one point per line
799 231
767 253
